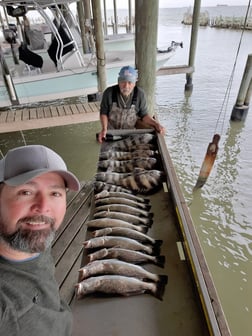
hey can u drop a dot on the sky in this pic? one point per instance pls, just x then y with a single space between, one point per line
180 3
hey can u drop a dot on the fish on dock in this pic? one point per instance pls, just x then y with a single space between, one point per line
118 267
126 209
122 155
131 256
119 285
121 200
106 193
111 222
127 232
121 242
133 219
125 166
100 186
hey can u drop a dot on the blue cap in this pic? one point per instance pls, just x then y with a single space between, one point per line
127 74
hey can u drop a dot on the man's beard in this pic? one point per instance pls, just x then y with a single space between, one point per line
32 241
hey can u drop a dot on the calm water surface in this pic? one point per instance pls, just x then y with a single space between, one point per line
221 210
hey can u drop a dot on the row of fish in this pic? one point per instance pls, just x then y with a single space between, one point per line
130 164
120 246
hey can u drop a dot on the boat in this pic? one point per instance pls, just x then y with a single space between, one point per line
190 304
62 70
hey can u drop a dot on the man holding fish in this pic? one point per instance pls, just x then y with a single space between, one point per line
33 183
124 104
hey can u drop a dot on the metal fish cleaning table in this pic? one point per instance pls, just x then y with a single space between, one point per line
190 304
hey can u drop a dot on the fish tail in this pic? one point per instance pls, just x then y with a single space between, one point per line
160 261
163 278
158 242
150 215
147 207
160 289
156 250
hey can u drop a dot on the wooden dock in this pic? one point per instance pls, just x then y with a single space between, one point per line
67 247
17 119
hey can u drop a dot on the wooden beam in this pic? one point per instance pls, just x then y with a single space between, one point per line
174 70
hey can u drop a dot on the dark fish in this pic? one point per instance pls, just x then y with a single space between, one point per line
125 166
122 155
106 193
142 181
134 257
121 242
126 209
110 222
119 285
118 267
100 186
126 232
136 220
120 200
110 177
133 140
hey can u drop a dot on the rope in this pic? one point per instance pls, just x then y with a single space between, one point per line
227 93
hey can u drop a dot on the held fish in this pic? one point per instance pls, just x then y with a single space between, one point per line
118 267
119 285
136 220
106 193
126 232
131 256
124 209
120 200
121 242
110 222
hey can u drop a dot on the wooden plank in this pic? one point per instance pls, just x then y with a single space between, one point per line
61 110
10 116
74 109
47 112
40 112
18 115
173 70
3 117
33 113
87 107
80 108
54 111
26 114
68 110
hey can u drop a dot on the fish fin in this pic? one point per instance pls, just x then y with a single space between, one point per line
160 261
158 242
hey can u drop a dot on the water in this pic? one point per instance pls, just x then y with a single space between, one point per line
221 210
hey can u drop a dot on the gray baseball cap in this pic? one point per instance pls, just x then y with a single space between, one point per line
22 164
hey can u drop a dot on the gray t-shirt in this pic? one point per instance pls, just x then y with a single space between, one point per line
29 299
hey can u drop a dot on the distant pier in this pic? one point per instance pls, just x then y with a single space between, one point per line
225 22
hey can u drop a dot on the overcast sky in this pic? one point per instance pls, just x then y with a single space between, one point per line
181 3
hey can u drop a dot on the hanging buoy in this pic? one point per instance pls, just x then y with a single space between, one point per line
208 162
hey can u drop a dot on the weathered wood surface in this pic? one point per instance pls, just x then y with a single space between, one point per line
67 246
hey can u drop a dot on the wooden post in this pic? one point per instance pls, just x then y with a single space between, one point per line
81 19
130 17
146 27
99 43
240 110
115 18
193 43
105 18
89 26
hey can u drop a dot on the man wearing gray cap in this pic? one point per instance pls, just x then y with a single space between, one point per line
124 104
33 184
